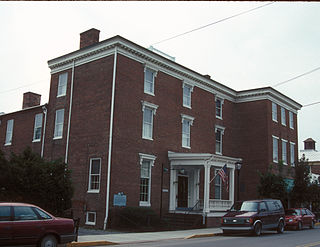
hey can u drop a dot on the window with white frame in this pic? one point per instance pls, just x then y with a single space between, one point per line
58 127
284 152
187 90
94 175
187 122
149 78
9 132
283 116
219 130
292 155
219 103
37 127
146 163
149 110
62 85
275 148
291 122
91 218
274 112
217 185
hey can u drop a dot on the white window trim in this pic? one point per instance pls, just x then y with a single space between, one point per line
64 93
291 123
286 142
151 158
155 73
7 132
55 122
190 119
87 218
34 128
292 144
275 161
89 184
222 102
276 113
154 108
191 86
222 129
283 117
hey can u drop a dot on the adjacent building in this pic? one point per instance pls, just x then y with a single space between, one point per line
312 155
135 125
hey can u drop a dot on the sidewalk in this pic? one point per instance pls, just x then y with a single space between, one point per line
99 237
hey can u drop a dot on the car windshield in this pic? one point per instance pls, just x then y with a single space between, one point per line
245 206
292 212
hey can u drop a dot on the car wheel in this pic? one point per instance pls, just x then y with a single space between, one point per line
299 226
312 225
257 229
280 228
49 241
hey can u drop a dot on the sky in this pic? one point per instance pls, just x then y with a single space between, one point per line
259 48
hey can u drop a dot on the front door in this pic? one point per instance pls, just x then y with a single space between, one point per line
182 192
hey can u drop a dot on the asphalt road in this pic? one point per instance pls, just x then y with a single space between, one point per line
304 238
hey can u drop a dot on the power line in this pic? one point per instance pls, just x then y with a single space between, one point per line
296 77
26 85
314 103
213 23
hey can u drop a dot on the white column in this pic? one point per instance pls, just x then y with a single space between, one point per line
173 178
206 193
231 185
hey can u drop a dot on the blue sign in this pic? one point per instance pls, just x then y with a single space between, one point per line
290 184
120 200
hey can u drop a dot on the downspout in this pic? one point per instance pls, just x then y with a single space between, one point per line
69 118
45 110
110 137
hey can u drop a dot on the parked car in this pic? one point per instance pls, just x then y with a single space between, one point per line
299 217
254 216
26 224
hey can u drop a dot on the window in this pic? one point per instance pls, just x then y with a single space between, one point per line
146 162
149 76
94 175
187 121
148 110
219 133
283 116
291 123
274 112
91 218
5 213
217 185
284 152
58 128
292 154
219 103
37 127
24 213
62 86
9 132
275 148
187 90
42 214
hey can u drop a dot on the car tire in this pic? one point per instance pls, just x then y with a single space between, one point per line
280 228
312 225
49 241
299 226
257 229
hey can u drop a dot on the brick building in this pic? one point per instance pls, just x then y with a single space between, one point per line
137 126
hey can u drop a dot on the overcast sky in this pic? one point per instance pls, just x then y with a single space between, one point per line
260 48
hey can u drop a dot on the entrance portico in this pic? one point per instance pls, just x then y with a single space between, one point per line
190 191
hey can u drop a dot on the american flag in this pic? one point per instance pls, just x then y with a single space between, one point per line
223 173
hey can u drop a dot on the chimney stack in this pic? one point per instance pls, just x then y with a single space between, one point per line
30 99
89 37
309 144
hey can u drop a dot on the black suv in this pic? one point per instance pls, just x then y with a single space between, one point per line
254 216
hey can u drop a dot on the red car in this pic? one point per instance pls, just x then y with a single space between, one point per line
24 224
299 217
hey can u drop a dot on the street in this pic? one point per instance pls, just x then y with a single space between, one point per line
304 238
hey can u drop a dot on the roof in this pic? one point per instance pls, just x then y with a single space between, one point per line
15 204
310 155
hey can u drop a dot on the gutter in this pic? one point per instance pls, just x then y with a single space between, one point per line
110 137
69 118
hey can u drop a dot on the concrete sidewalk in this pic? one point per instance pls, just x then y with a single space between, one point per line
96 238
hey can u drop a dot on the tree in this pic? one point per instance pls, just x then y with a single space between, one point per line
29 178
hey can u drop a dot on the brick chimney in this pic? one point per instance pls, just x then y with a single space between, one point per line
309 144
89 37
30 99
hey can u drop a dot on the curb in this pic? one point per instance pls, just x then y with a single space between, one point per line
317 224
91 243
205 235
